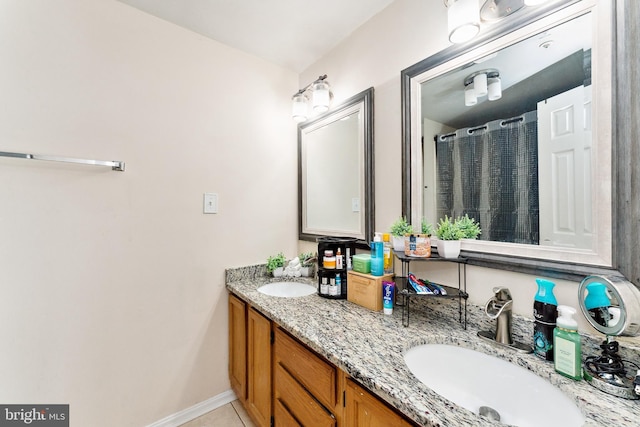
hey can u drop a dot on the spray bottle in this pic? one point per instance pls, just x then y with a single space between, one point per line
545 313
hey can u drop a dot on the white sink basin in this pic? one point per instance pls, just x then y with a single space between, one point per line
472 379
287 289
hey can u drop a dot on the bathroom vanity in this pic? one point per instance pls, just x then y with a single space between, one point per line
364 350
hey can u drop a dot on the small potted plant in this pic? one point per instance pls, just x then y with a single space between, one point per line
450 232
308 262
398 230
449 235
275 264
426 227
469 227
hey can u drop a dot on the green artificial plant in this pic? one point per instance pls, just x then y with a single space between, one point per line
400 227
275 261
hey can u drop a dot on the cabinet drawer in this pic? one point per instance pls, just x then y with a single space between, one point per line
366 290
314 373
295 406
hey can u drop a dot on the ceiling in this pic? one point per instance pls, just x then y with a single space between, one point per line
291 33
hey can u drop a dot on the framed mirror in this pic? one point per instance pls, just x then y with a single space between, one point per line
529 154
335 172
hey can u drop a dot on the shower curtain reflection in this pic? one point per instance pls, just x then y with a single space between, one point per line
490 172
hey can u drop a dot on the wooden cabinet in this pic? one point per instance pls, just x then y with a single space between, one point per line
238 347
305 385
258 402
363 409
279 380
250 359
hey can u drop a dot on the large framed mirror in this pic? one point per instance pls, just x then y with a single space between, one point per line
335 172
530 156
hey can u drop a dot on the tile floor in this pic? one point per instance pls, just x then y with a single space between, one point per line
230 415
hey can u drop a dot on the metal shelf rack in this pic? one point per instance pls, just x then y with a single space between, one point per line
406 291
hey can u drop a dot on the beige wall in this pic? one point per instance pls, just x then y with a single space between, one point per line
404 33
112 283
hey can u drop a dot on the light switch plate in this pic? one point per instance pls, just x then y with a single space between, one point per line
210 203
355 204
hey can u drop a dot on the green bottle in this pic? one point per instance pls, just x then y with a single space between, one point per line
567 357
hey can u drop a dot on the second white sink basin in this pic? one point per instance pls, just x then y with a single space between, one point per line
287 289
473 379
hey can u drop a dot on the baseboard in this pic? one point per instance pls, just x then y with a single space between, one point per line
193 412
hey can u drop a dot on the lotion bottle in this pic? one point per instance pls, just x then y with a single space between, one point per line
567 357
377 256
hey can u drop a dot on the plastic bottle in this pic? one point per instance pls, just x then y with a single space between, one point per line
545 313
377 255
388 253
567 357
339 259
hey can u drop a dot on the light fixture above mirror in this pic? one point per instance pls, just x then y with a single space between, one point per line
321 96
465 18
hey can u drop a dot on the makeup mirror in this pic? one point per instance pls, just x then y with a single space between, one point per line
612 306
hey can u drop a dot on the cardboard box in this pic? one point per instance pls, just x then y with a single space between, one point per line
366 290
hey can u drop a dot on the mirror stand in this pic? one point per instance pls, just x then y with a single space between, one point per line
610 306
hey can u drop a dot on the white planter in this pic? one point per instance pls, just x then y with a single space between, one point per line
448 248
278 272
398 243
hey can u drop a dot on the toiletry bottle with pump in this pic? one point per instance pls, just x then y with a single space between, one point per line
377 255
545 313
388 253
567 357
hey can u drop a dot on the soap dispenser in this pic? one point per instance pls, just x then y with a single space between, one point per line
377 255
567 357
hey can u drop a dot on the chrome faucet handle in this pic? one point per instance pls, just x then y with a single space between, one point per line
502 294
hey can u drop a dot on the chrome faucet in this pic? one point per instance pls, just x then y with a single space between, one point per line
500 308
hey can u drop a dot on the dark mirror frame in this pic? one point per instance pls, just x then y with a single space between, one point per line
625 145
366 98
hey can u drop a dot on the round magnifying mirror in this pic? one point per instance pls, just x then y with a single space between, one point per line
611 305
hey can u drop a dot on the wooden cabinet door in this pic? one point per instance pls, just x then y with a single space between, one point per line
238 347
259 368
363 409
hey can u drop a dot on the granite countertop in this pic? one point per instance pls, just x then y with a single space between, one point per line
369 346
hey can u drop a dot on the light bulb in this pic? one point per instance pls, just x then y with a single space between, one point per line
495 88
470 98
480 84
321 96
299 107
463 20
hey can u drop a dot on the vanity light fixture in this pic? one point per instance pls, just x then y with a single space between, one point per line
466 17
320 99
463 19
482 83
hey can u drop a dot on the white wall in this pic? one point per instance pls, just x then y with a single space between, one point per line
404 33
112 283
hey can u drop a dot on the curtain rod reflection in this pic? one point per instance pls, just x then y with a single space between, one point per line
471 131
